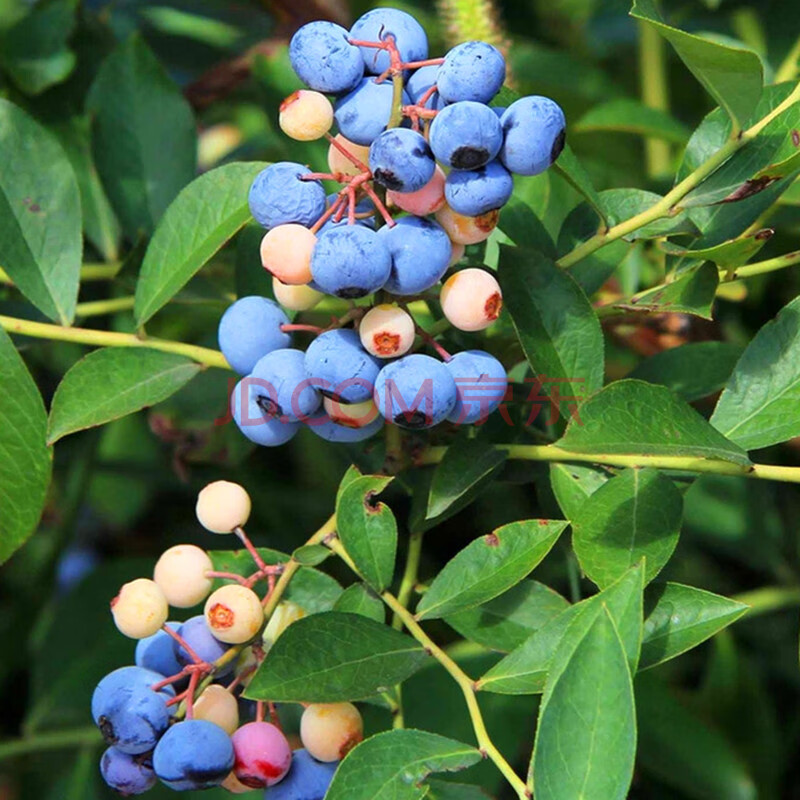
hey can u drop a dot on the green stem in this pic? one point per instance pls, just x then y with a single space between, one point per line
655 94
769 599
762 267
787 71
668 205
96 338
58 740
396 117
466 683
97 308
553 453
89 272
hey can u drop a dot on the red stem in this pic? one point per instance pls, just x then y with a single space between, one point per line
167 681
190 694
273 716
232 576
300 327
426 337
387 217
243 538
182 642
327 215
260 710
346 153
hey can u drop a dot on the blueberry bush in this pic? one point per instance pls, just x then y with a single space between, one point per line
418 385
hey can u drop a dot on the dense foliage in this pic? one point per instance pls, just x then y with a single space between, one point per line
593 594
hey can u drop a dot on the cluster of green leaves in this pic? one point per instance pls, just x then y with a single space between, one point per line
562 610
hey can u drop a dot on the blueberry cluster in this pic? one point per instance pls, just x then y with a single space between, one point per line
424 165
175 716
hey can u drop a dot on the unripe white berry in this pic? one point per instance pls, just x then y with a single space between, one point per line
338 162
467 230
140 608
286 253
234 614
295 298
387 331
329 731
181 574
284 615
223 506
351 415
305 115
216 704
471 299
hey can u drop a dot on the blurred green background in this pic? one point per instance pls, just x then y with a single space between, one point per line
125 492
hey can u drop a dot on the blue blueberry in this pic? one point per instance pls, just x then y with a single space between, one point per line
157 652
535 131
481 382
73 566
466 135
118 685
350 262
250 329
126 774
415 392
499 110
324 59
476 192
196 634
420 81
471 71
401 160
286 390
307 779
279 195
194 754
421 252
252 409
364 113
377 25
337 360
332 431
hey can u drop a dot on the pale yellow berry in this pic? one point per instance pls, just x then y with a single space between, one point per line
329 731
284 615
471 299
387 331
181 574
223 506
234 614
295 298
305 115
338 162
457 254
351 415
286 253
467 230
140 608
216 704
234 785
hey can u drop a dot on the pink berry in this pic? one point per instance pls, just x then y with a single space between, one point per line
471 299
263 755
286 253
424 201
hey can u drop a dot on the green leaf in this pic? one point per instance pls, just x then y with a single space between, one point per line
678 618
392 765
507 621
555 323
205 215
692 371
760 405
113 382
568 166
573 484
692 292
445 790
467 467
25 459
586 736
683 751
360 599
733 76
634 516
143 136
40 215
331 657
311 554
368 529
636 418
489 566
625 115
34 51
519 223
726 255
525 670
